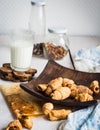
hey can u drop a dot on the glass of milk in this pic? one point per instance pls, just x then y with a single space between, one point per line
21 50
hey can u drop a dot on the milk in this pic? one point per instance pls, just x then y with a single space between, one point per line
21 55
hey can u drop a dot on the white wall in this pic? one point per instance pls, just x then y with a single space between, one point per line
81 17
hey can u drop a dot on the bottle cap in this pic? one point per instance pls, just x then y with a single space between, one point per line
58 30
38 2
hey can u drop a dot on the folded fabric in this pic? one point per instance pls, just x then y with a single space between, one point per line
84 119
88 59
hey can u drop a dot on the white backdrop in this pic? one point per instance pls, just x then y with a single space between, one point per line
80 17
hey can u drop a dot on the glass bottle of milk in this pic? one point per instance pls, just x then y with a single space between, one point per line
37 21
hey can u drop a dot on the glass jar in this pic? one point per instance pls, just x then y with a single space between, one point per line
37 22
56 43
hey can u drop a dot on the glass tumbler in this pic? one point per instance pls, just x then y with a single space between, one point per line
21 49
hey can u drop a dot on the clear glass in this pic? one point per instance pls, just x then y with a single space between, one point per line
58 39
37 22
21 50
56 44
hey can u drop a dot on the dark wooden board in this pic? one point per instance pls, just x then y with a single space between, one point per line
53 70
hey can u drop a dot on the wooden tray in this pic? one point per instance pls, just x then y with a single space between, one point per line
53 70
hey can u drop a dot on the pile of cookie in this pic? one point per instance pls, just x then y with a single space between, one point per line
62 88
6 73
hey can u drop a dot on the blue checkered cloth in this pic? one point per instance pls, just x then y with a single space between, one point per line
84 119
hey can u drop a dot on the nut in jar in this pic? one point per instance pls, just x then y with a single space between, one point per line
54 52
56 43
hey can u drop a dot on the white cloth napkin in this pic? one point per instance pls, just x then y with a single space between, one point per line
84 119
88 59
